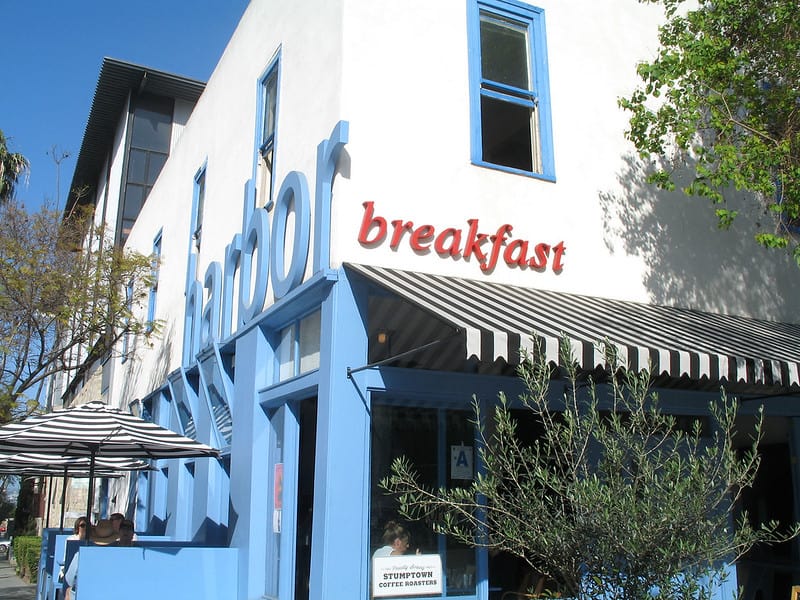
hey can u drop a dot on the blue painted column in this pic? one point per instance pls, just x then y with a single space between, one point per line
340 541
249 520
158 482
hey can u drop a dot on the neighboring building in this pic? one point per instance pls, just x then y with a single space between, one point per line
369 209
136 119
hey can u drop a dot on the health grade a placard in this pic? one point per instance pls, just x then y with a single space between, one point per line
406 575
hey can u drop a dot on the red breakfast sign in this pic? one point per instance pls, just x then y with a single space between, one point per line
462 243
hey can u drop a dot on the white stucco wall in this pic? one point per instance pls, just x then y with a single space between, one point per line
405 92
398 74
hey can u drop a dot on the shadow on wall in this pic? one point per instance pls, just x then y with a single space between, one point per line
158 374
691 262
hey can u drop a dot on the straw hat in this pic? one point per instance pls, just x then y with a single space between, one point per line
103 533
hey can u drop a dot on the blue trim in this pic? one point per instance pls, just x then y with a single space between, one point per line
249 490
533 17
297 388
197 217
341 486
291 468
126 336
273 67
155 272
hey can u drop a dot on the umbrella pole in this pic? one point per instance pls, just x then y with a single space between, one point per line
93 453
63 496
49 500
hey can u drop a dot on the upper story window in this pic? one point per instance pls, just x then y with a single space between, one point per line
199 201
510 103
155 271
266 141
150 134
126 322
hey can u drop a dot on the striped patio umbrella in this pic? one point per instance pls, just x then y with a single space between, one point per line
96 430
76 467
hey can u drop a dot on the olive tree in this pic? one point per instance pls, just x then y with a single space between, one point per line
615 499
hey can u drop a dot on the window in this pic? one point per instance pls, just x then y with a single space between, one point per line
126 321
510 104
298 347
199 201
155 271
266 140
150 133
435 440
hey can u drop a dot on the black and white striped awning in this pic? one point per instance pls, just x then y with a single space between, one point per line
498 321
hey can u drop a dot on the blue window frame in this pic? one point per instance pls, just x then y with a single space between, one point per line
155 270
126 322
298 348
268 118
509 88
198 202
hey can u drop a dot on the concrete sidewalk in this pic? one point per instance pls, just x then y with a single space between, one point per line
11 586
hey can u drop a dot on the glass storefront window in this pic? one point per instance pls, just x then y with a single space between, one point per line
286 354
430 438
299 346
309 342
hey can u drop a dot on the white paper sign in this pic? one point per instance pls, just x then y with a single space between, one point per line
407 575
461 462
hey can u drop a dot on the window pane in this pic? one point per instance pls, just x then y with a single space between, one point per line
286 354
270 104
504 52
507 133
134 200
151 130
309 342
137 165
200 190
426 437
154 166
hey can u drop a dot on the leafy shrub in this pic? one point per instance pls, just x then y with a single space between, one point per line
27 549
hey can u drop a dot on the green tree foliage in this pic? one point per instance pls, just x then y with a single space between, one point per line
66 294
613 500
12 167
722 98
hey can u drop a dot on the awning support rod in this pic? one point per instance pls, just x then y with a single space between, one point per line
380 363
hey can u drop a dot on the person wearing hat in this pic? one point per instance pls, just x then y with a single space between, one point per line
103 534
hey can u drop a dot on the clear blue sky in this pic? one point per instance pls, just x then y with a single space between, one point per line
52 51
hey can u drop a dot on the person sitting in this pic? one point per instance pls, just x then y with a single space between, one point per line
126 533
396 540
71 578
78 533
103 533
79 529
116 518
